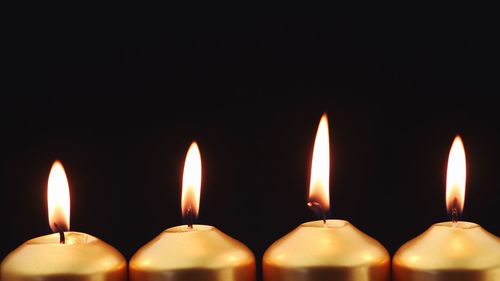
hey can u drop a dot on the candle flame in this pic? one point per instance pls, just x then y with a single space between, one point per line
455 176
319 190
191 182
58 198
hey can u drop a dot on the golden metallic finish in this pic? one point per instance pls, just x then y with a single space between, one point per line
82 258
318 252
466 252
201 254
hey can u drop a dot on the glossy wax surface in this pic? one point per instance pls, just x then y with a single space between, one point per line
335 251
82 258
202 254
465 252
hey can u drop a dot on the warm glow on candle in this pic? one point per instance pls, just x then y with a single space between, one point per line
58 198
455 176
191 182
320 168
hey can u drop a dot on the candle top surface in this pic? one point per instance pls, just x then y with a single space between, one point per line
459 224
185 228
72 238
444 247
328 224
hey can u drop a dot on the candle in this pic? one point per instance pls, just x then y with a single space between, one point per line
325 249
192 251
455 250
69 256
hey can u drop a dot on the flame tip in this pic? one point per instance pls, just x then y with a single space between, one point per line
324 117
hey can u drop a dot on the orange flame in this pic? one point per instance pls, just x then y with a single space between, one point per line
319 190
191 182
455 176
58 198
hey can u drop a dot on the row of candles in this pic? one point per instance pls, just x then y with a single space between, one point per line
327 249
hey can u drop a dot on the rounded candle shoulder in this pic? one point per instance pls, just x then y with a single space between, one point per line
336 243
332 249
183 253
446 247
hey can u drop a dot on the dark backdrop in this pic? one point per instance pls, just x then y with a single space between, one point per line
118 101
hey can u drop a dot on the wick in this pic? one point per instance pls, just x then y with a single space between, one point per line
62 238
189 218
316 207
454 213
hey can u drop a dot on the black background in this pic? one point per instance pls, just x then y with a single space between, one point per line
118 99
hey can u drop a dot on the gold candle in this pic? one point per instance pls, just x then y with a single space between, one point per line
325 249
192 252
451 251
68 256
